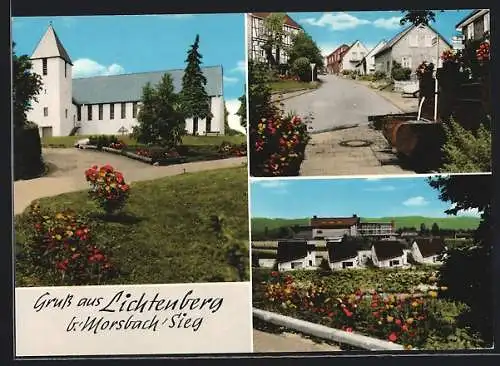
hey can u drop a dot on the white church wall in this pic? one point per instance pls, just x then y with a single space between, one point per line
107 126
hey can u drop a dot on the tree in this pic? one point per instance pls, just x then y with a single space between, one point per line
161 120
470 192
260 104
242 110
25 89
195 100
304 46
418 16
274 28
435 229
423 228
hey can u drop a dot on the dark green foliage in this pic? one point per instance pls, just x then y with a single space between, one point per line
260 105
435 229
26 86
379 75
418 16
473 287
400 73
195 100
102 140
301 68
242 110
274 43
466 151
161 120
304 46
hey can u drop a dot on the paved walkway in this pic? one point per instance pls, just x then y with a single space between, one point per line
70 165
287 342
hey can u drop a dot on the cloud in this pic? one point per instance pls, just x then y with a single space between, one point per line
231 79
240 66
381 189
416 201
388 23
85 67
277 186
469 212
233 119
327 48
337 21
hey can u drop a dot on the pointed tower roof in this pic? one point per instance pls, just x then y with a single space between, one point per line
50 46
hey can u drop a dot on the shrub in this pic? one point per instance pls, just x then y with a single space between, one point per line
28 162
103 140
278 146
400 73
301 67
108 188
379 75
59 247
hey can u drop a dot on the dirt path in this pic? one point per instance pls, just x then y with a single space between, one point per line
70 164
287 342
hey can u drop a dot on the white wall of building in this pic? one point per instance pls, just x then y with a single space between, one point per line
353 56
417 256
308 262
403 260
335 266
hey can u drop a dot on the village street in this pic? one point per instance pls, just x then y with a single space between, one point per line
339 103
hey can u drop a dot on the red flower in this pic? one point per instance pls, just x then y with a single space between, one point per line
347 312
376 314
331 314
397 321
348 329
274 273
393 337
404 328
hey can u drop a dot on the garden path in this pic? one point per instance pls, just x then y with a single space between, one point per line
68 166
287 342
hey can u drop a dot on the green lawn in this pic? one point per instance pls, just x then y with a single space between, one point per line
292 85
165 234
69 141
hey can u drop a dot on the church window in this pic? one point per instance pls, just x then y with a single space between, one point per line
79 112
89 112
44 66
123 110
45 111
209 124
66 113
111 111
65 69
100 111
134 110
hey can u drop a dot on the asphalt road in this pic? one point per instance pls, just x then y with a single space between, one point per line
337 103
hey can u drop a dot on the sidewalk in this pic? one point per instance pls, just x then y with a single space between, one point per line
406 104
287 342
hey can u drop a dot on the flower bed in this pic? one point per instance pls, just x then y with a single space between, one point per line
421 320
278 146
167 156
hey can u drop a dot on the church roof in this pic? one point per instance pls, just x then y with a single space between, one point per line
50 46
128 87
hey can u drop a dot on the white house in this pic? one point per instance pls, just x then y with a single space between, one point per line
427 250
343 255
367 64
296 254
389 254
353 56
364 256
104 104
475 24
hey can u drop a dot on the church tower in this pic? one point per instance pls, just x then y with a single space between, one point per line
54 112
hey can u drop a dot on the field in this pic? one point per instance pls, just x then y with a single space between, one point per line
69 141
451 223
165 234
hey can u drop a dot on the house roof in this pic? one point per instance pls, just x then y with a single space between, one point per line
403 33
388 249
288 20
128 87
290 250
338 49
430 246
50 46
334 222
338 252
466 18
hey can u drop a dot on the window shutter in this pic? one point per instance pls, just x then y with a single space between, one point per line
486 22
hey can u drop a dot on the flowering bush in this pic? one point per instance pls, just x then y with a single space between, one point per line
120 145
278 146
60 245
108 187
228 149
143 152
425 69
450 56
408 319
483 52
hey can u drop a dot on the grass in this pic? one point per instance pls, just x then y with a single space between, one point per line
164 234
292 85
69 141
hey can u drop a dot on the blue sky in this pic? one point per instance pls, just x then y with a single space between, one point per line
366 197
100 45
331 29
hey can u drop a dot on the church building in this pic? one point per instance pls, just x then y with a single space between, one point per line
105 104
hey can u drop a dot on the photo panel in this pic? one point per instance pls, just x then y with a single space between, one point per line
131 182
369 92
401 263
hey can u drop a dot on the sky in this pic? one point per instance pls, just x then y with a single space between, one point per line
331 29
105 45
366 197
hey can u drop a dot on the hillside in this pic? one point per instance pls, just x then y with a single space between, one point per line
451 223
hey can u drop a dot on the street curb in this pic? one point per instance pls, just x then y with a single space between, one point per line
376 91
305 91
333 129
331 334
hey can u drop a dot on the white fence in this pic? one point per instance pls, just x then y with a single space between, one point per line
400 86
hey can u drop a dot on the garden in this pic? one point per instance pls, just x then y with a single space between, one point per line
187 228
401 306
